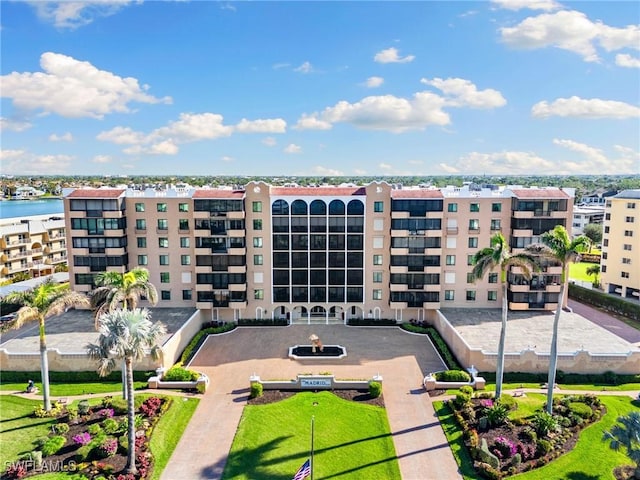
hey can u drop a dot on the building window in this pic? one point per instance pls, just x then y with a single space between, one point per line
496 207
377 277
142 242
257 242
474 207
451 260
624 274
471 295
258 294
452 207
184 207
185 260
163 242
493 278
186 294
162 207
141 224
626 247
164 277
377 259
470 278
469 259
183 224
164 259
603 268
626 261
606 229
257 207
492 295
377 294
165 295
139 207
257 224
378 207
163 224
143 260
495 224
607 216
629 219
449 295
628 233
473 242
184 242
631 205
257 260
474 224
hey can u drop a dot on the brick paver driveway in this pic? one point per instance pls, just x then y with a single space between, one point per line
230 359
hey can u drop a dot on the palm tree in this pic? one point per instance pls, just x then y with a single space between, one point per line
125 335
487 260
122 290
625 435
558 247
595 271
38 304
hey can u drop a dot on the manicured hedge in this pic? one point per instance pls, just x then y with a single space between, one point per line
604 301
606 378
370 322
263 322
72 377
441 346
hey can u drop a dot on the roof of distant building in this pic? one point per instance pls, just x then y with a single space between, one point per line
96 193
634 194
214 193
540 193
318 191
421 193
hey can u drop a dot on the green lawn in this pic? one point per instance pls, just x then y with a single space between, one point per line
578 271
68 389
351 441
591 459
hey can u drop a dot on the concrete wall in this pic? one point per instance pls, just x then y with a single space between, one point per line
530 361
61 362
173 348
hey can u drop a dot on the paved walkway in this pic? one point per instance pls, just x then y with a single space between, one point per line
606 321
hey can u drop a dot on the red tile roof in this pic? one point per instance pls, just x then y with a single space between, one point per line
96 193
213 193
318 191
540 193
422 193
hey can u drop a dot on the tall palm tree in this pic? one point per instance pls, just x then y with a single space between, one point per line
126 335
122 290
38 304
594 270
498 256
558 247
625 436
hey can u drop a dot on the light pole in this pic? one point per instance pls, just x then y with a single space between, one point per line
312 463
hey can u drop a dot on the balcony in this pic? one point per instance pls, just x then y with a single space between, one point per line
236 215
237 287
238 304
398 305
398 287
237 269
399 251
522 233
452 230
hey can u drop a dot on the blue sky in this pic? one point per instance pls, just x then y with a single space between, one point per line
320 88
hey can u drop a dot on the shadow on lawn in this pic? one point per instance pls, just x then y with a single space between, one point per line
580 476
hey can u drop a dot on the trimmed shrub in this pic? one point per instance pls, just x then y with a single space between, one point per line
53 445
453 376
543 423
543 447
180 374
375 389
256 390
580 409
60 428
94 429
509 402
110 426
84 452
496 414
83 407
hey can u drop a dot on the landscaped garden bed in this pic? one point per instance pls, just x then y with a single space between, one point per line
501 443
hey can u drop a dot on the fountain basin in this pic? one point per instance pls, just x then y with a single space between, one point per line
329 352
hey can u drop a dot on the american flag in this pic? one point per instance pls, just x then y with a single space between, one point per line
304 471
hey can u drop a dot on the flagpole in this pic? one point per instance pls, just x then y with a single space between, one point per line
312 422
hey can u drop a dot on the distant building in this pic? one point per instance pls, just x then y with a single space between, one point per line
597 198
585 215
34 245
324 252
620 266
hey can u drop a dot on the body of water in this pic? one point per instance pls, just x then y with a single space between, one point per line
27 208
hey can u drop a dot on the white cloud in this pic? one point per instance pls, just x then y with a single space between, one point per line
121 136
22 162
102 159
304 68
385 167
278 66
359 171
570 30
312 122
65 137
324 171
626 60
194 126
373 82
501 163
391 55
463 93
292 148
166 147
594 160
227 159
448 168
13 125
591 153
74 89
585 108
269 125
74 14
269 141
546 5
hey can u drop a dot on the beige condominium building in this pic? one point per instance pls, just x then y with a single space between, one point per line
32 245
265 251
620 267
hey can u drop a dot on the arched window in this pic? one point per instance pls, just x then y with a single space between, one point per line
336 207
299 207
280 207
318 207
355 207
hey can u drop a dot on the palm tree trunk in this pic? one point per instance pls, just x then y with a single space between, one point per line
503 335
131 414
44 367
553 354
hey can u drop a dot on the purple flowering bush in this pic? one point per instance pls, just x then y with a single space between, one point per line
82 438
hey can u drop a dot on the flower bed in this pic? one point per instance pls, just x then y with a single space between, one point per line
500 447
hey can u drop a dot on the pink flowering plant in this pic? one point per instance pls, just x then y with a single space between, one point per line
82 438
